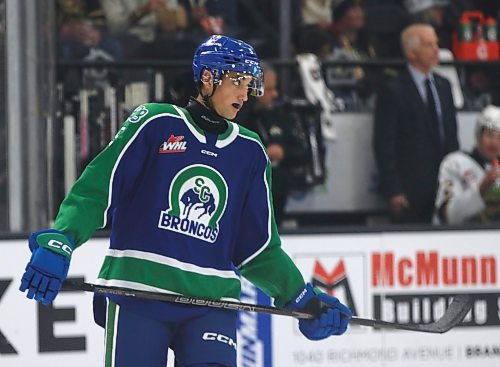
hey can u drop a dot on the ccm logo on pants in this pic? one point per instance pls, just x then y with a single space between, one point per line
220 338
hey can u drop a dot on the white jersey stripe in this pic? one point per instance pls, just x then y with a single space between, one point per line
164 260
201 138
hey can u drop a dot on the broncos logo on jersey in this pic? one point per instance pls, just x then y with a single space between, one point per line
191 200
197 198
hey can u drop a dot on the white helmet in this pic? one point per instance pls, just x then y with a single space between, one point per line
488 119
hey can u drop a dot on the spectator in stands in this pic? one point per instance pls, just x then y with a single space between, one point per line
82 32
207 17
415 127
258 22
351 42
469 182
348 36
149 28
317 13
384 21
315 40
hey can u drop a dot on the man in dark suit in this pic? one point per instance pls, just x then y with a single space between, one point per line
415 127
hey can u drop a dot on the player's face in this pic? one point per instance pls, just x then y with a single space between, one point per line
426 55
489 144
231 94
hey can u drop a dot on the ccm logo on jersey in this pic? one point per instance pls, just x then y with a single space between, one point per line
219 338
174 144
207 152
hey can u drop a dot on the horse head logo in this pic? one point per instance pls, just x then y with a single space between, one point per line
198 197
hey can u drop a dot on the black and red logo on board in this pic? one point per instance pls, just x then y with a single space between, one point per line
334 279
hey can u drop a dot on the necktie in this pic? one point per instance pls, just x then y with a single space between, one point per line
431 106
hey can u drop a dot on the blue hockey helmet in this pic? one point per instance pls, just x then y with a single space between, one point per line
221 54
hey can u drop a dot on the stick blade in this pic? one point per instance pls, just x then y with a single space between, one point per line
455 313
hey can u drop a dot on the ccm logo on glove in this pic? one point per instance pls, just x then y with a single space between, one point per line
48 266
60 246
301 295
332 317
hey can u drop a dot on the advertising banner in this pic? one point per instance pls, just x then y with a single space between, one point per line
397 277
404 278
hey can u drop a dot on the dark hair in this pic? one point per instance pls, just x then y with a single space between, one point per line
312 39
340 9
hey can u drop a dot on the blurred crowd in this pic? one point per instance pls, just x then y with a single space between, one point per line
333 30
415 125
357 29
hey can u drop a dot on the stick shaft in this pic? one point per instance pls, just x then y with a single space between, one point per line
174 298
455 313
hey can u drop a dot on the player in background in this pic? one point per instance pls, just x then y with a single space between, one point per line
188 193
469 182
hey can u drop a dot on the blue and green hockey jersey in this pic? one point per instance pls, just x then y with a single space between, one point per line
187 207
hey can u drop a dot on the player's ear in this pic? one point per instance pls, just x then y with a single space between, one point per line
207 81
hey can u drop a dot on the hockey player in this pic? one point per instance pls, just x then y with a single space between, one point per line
469 183
188 194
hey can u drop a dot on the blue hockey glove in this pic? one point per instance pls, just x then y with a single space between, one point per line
48 267
333 316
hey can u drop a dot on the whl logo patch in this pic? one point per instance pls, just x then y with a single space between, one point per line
174 144
197 198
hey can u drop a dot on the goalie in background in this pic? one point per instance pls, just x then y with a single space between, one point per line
469 182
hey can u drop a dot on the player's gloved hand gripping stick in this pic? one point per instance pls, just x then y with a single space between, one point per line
333 315
48 267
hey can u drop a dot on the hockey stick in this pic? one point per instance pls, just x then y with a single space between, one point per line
454 314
